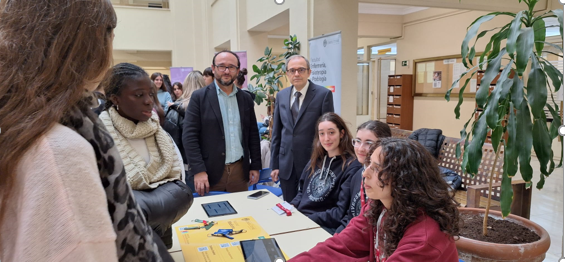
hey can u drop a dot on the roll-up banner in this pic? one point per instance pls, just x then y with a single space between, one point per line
325 62
178 74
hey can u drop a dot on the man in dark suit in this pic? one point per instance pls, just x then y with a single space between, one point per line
220 134
297 110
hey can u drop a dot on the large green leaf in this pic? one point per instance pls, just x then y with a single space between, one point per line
524 47
537 91
475 148
513 35
554 74
517 91
524 135
539 35
511 149
487 50
457 109
492 71
506 191
542 144
491 108
559 14
473 29
463 134
551 44
496 136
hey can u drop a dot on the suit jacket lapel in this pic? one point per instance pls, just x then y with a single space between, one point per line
286 104
212 96
309 96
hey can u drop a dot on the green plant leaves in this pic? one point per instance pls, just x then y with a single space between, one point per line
492 108
514 32
539 35
517 91
554 74
524 135
537 91
475 148
524 47
492 71
506 192
473 29
511 148
542 144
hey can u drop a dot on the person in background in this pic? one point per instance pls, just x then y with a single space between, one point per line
157 108
208 76
411 215
220 134
162 93
332 163
177 91
241 79
101 98
294 121
175 116
152 161
63 191
368 134
168 84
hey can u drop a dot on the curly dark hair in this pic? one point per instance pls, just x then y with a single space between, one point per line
416 187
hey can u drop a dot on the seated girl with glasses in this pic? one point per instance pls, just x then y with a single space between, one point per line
331 164
368 134
411 215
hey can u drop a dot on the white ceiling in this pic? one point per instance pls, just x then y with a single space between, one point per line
380 9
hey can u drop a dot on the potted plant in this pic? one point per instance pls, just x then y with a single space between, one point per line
515 109
271 70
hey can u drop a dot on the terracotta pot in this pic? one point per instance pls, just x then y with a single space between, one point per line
471 250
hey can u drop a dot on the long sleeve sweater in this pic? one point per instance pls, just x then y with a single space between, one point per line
319 195
422 241
57 210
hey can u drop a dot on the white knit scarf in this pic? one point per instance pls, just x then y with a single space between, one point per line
164 163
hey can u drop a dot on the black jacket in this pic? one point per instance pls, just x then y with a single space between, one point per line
319 194
173 125
204 139
353 194
431 139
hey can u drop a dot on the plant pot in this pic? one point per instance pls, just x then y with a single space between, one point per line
471 250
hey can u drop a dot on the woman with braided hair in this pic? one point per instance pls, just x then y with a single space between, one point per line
153 163
63 191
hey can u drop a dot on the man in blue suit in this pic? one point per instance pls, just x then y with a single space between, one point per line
297 110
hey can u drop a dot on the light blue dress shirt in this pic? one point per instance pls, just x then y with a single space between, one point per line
164 99
232 124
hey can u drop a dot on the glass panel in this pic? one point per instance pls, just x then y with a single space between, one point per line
387 67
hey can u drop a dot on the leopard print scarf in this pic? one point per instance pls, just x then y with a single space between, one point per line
134 241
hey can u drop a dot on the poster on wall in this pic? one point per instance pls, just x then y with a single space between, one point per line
325 62
243 61
178 74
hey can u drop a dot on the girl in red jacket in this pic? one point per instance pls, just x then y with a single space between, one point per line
411 215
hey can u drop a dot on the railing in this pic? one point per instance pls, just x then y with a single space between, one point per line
142 3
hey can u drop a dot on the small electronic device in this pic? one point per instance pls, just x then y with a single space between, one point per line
221 208
258 195
262 250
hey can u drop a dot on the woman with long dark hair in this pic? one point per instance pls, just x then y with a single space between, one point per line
63 191
411 215
162 93
368 134
331 164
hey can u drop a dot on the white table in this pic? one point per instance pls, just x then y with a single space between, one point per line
259 209
291 244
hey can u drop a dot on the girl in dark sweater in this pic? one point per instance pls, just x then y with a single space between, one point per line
332 163
410 217
368 134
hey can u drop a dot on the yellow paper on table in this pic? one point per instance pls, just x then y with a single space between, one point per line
199 244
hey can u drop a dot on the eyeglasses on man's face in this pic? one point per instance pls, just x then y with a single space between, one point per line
222 68
358 143
293 71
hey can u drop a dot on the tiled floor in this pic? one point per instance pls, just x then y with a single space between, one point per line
547 209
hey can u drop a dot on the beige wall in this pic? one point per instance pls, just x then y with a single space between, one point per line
143 29
380 25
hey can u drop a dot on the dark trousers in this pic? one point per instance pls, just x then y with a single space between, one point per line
290 187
